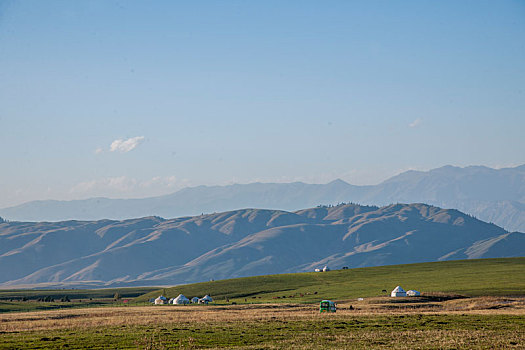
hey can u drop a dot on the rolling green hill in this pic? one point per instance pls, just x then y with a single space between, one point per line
465 277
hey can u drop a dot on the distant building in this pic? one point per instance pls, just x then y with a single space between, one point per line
205 299
398 292
413 293
161 300
181 300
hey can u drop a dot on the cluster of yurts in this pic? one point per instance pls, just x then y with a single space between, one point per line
400 292
182 300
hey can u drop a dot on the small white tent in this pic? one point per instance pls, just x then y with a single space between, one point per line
326 268
180 300
205 299
161 300
398 292
413 293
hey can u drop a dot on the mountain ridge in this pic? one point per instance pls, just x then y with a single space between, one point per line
496 195
246 242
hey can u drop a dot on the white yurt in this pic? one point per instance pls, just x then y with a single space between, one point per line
413 293
195 300
398 292
205 299
161 300
180 300
326 268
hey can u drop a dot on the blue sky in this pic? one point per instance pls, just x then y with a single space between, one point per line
135 98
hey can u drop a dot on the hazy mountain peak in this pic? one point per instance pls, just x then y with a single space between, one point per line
409 175
447 167
338 182
496 195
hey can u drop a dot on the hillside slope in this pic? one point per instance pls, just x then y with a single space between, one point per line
155 251
465 277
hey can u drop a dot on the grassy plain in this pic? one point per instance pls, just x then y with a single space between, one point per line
474 304
17 300
463 277
466 323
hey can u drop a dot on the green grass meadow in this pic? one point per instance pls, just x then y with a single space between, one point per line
326 332
291 325
463 277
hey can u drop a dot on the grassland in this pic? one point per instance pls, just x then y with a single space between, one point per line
17 300
33 294
462 277
475 304
270 326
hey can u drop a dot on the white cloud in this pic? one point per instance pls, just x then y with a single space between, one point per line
109 184
168 181
99 150
503 166
124 146
415 123
127 187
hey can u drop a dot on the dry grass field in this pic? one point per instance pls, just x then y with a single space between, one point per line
465 305
408 323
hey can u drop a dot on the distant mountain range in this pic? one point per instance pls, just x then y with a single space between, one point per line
156 251
493 195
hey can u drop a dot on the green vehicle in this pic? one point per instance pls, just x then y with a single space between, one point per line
327 306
